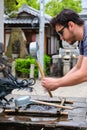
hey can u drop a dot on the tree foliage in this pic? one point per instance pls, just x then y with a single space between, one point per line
9 6
55 6
52 7
33 3
14 5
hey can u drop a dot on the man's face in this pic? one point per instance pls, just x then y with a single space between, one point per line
66 33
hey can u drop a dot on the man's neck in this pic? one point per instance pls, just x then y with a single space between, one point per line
80 33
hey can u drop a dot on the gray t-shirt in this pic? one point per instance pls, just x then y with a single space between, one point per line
83 44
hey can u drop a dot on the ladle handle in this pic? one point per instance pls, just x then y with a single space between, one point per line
42 74
52 104
40 69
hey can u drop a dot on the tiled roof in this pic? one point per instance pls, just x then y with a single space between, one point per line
27 20
28 9
20 21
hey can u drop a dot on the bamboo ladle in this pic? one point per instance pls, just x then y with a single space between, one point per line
26 100
33 52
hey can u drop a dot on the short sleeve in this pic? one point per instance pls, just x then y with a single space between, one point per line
83 47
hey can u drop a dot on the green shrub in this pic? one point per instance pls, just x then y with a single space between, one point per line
47 60
23 66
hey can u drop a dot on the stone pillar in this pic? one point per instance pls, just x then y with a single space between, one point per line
32 71
66 66
66 62
13 68
57 65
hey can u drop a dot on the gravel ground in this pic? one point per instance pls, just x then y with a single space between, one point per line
72 91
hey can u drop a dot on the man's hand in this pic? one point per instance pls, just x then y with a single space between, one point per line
50 83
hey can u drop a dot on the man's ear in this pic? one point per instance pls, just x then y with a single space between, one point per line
71 24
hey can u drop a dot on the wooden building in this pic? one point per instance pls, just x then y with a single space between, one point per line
28 20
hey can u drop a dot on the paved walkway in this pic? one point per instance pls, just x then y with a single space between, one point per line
73 91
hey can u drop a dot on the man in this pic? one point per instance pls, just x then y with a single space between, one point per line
71 28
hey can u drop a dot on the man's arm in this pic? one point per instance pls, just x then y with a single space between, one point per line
77 66
75 77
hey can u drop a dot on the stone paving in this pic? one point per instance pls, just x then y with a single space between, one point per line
72 91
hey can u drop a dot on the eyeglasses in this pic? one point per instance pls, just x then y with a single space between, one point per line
60 33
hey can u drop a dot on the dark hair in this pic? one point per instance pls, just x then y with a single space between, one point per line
65 16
